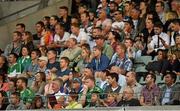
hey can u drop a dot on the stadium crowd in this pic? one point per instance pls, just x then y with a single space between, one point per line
90 57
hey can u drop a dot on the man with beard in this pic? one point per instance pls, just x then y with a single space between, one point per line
26 95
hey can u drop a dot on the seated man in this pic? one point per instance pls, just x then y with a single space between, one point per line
128 99
72 51
170 91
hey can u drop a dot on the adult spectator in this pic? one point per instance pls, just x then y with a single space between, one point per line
99 61
46 21
32 67
119 59
39 83
77 85
64 18
20 27
24 59
14 68
64 70
113 86
52 64
3 100
39 27
89 87
150 92
86 25
79 35
3 65
60 38
73 101
106 48
113 6
174 52
54 19
15 102
114 38
128 98
130 48
120 4
127 8
42 64
175 27
27 40
72 51
26 94
170 91
15 45
38 103
175 6
160 10
160 40
132 83
4 86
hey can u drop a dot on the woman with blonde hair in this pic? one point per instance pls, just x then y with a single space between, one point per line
48 87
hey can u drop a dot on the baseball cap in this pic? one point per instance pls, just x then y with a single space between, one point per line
76 80
43 58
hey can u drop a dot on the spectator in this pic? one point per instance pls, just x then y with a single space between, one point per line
110 101
3 84
113 86
99 61
64 71
128 98
14 68
54 19
85 58
39 83
3 100
160 10
77 86
129 31
42 64
27 40
72 99
150 92
89 87
160 40
46 21
175 27
79 35
20 27
15 45
64 18
114 39
26 94
60 38
3 65
38 103
170 91
15 103
52 64
119 59
32 67
40 28
175 55
95 100
12 87
106 48
25 59
132 83
127 8
72 51
130 48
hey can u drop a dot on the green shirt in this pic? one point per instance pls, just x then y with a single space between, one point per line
27 95
14 69
24 61
89 93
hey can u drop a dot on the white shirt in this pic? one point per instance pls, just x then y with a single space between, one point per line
154 42
65 37
117 24
81 37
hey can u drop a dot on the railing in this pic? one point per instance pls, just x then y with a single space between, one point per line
119 108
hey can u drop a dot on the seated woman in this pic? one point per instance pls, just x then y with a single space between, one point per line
161 65
72 101
38 103
3 100
39 83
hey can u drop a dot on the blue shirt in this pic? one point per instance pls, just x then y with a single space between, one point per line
125 63
100 64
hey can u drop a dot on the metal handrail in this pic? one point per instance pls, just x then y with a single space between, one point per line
7 16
